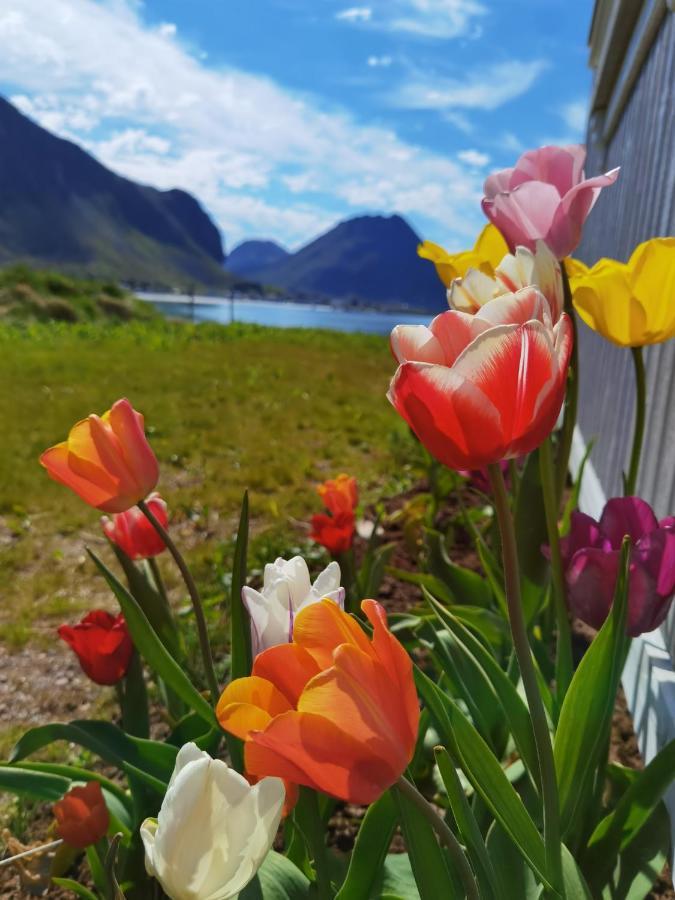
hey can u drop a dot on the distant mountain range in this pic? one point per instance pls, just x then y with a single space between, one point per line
59 207
367 260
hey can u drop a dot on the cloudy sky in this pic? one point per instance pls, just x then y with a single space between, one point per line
285 116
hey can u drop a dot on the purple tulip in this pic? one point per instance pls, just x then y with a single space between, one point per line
590 555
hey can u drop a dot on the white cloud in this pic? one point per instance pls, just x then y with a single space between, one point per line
574 116
487 88
379 61
355 14
167 29
151 109
474 158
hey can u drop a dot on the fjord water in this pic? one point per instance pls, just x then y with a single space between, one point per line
284 314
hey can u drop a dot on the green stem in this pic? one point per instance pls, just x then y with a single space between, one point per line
157 578
572 394
200 618
549 787
640 410
349 581
308 819
444 834
563 659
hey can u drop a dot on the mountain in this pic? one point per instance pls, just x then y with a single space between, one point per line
249 256
60 207
370 258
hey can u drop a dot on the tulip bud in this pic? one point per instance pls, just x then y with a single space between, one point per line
132 532
102 644
213 830
82 816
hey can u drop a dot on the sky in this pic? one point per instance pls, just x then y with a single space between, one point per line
284 117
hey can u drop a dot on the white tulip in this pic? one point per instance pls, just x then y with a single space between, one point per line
213 831
287 590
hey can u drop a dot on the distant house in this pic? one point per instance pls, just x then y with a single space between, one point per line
632 124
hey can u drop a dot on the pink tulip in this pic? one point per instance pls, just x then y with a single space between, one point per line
480 388
545 196
591 554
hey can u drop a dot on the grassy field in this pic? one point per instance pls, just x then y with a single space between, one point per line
227 408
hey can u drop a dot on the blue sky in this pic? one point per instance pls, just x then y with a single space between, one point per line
285 116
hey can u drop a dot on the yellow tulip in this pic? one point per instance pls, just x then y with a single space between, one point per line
488 251
633 303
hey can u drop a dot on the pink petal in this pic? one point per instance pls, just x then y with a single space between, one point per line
584 532
565 232
591 578
497 182
454 331
516 309
416 343
525 214
627 516
561 167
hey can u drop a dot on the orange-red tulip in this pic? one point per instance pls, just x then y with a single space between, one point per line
339 494
132 531
82 816
106 459
335 533
102 644
334 710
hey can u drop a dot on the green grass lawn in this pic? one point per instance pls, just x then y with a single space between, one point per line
227 408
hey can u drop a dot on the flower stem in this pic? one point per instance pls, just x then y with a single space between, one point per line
308 819
549 787
445 836
639 431
200 618
572 394
563 659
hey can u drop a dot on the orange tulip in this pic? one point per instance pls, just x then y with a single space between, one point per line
333 710
82 817
106 460
339 494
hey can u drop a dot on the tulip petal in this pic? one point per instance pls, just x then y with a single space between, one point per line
591 578
652 279
565 231
415 342
584 532
98 494
627 516
321 628
127 425
515 309
244 701
455 330
289 667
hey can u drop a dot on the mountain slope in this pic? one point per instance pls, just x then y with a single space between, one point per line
250 256
372 258
60 207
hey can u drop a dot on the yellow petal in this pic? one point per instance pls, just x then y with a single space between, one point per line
490 248
652 278
603 300
488 251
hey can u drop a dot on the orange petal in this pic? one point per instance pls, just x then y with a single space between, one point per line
309 750
288 666
56 461
244 700
128 427
322 627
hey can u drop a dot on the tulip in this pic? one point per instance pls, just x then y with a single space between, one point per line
339 494
213 830
591 554
106 460
488 250
132 532
82 816
286 591
480 388
333 710
630 304
545 196
335 533
102 644
519 270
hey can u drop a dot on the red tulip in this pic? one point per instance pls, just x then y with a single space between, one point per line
339 494
480 388
102 644
545 196
82 816
335 533
106 459
132 531
334 710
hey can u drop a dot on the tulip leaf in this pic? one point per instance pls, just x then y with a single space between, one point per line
34 785
75 773
509 699
240 628
151 648
79 889
153 758
484 772
514 874
370 849
430 863
467 587
467 826
641 862
586 714
277 879
623 825
531 534
397 881
423 579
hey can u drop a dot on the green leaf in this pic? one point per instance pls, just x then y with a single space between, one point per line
484 772
467 587
575 884
531 533
397 881
75 887
34 785
467 826
423 579
623 825
152 649
370 849
430 864
509 699
493 573
573 499
514 874
75 773
373 568
134 699
489 626
107 741
240 628
641 863
277 879
586 714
